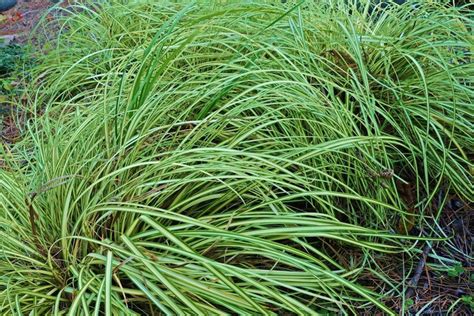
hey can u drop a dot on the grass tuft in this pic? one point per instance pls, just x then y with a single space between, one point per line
212 158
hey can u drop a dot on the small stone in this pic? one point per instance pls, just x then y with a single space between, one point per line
456 204
6 40
7 4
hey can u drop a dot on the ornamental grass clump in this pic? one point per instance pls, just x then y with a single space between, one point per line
215 158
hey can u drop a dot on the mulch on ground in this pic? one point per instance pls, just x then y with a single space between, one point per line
18 22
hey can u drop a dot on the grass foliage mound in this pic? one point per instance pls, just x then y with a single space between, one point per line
218 158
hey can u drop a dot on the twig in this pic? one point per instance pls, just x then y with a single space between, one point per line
419 269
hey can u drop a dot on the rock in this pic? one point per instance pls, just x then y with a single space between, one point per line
7 4
6 40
